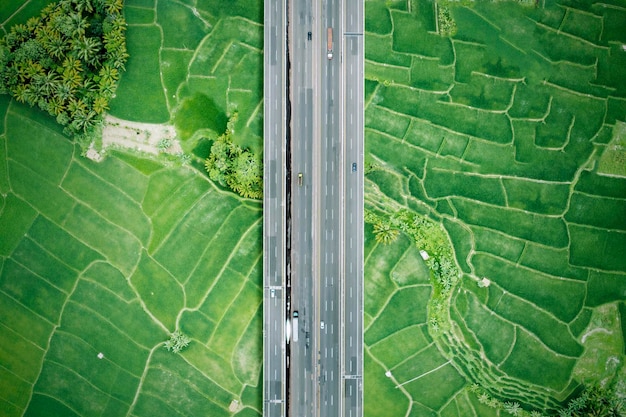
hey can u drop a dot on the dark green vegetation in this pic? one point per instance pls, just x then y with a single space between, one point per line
231 166
67 61
508 134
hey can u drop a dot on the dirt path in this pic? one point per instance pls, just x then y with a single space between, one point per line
142 137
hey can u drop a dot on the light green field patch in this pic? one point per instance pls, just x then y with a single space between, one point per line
235 321
14 317
119 174
139 15
106 275
494 334
174 64
82 358
383 120
107 200
249 348
35 293
379 287
484 92
172 17
604 345
562 297
27 141
377 18
178 394
68 387
434 389
197 378
116 244
399 346
16 216
477 187
605 287
429 74
202 239
140 96
88 325
380 395
163 296
248 251
539 197
387 73
554 335
410 269
531 361
410 36
550 261
151 405
41 263
597 248
15 393
379 50
61 244
128 317
601 212
213 366
160 187
549 231
46 197
181 198
196 325
613 159
222 294
19 354
405 308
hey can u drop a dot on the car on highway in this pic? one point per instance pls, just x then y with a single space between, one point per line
354 167
322 325
300 179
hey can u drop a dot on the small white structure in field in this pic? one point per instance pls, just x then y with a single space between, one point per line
485 282
424 255
234 406
388 374
100 355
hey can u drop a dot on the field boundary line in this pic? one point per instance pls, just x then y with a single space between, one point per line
425 373
114 326
218 276
208 244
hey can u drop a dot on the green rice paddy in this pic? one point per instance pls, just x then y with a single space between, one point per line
510 134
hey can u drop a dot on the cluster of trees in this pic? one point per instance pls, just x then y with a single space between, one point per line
67 61
445 22
593 401
232 166
177 342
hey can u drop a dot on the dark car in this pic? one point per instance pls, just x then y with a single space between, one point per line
308 35
354 167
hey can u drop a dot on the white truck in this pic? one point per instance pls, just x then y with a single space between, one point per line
294 323
329 44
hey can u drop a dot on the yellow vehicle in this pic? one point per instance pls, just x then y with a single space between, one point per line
300 179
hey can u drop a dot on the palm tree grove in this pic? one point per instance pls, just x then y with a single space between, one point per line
67 61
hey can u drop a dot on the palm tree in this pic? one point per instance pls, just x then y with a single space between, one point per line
113 7
100 104
384 233
108 74
86 49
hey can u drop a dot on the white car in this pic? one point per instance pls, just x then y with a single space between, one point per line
322 325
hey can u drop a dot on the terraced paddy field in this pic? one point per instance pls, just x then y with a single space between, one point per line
508 134
499 133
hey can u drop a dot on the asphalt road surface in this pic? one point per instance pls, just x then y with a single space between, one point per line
314 258
274 219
